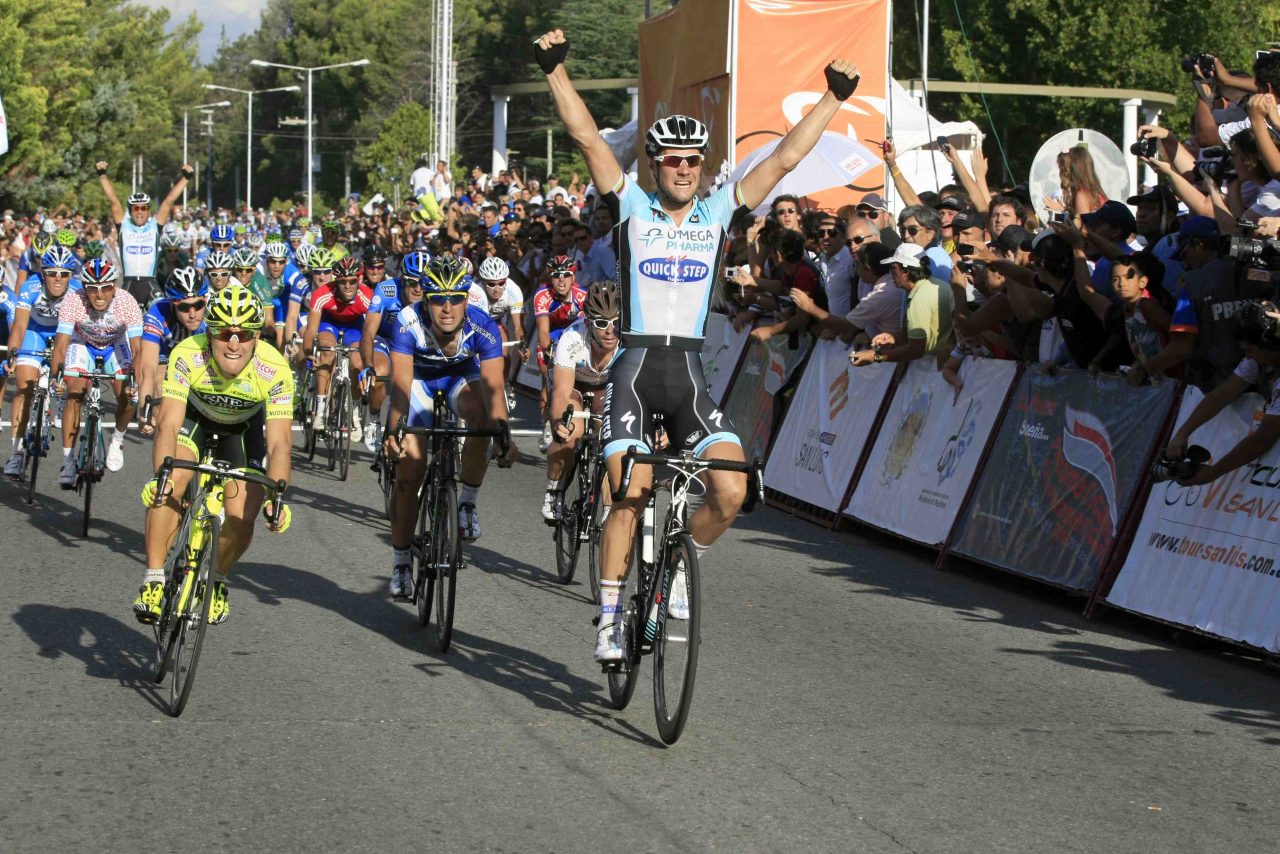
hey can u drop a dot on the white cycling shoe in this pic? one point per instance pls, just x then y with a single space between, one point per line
13 468
609 644
402 582
67 475
115 456
468 521
371 431
678 601
549 507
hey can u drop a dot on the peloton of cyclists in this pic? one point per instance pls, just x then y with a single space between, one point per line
336 316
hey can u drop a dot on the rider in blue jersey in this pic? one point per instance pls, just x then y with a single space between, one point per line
380 324
167 323
443 344
317 271
29 263
667 243
283 277
31 334
221 237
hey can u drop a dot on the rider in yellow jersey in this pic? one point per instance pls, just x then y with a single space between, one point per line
225 383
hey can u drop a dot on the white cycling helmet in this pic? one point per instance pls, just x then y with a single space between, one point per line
277 250
676 132
494 269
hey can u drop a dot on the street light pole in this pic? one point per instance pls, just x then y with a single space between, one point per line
185 115
262 63
248 148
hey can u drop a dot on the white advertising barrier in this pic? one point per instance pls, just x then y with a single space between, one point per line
827 426
721 350
1209 556
528 376
928 448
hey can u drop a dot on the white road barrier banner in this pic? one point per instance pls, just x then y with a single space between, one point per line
528 376
827 427
928 449
721 350
1209 556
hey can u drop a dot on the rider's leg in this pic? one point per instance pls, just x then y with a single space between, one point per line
323 371
25 376
162 521
726 491
243 503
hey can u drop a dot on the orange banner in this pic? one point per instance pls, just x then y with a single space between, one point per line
782 48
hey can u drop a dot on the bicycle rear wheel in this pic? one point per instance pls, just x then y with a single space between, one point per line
675 650
446 541
34 445
309 419
595 526
193 621
425 577
88 464
337 422
568 521
344 441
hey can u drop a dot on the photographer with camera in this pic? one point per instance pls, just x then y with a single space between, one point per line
1259 371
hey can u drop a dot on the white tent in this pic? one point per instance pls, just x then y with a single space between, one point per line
914 135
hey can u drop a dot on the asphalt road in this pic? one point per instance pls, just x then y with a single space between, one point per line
850 698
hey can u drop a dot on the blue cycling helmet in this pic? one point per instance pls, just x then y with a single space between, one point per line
222 233
414 266
447 274
58 258
185 283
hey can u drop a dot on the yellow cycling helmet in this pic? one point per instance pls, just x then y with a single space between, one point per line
322 260
446 274
235 305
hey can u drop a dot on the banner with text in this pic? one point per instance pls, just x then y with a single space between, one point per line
827 427
1206 556
751 402
720 352
928 449
1061 475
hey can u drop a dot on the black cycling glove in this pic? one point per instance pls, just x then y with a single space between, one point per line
504 437
841 85
549 58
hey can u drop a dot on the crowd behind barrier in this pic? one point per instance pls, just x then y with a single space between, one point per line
955 372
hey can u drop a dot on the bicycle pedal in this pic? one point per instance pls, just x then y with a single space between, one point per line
611 667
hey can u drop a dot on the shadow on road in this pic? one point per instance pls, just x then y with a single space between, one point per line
545 683
1232 685
58 515
495 563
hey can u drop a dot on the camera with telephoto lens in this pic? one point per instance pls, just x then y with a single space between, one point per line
1192 459
1216 163
1204 61
1145 147
1256 252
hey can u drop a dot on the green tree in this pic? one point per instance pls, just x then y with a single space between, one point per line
393 154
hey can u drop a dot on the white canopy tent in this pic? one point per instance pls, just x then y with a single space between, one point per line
915 134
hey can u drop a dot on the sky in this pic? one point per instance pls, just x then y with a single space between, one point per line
238 16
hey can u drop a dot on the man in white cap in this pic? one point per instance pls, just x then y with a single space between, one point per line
929 312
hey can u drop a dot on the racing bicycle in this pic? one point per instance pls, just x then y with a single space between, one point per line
91 451
191 565
340 416
660 557
35 444
579 505
437 542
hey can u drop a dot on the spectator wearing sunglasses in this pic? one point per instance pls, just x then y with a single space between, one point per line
836 264
920 225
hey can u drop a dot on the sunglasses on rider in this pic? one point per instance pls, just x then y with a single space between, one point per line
565 275
603 323
194 305
100 288
375 266
233 333
220 275
446 299
407 282
674 161
57 274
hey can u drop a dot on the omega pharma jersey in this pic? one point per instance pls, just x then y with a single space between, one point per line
666 271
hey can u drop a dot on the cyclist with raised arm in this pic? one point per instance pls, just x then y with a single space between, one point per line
380 324
442 344
583 356
35 324
139 237
103 321
336 317
224 382
167 323
668 245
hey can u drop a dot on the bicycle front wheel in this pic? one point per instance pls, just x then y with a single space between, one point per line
88 464
446 542
338 422
166 628
623 678
568 520
344 440
675 650
34 446
193 620
425 578
309 420
594 516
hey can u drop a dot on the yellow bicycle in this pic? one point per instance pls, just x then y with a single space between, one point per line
192 561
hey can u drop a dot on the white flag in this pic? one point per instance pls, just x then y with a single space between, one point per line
4 130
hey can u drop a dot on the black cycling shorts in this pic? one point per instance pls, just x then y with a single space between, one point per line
243 446
648 380
144 289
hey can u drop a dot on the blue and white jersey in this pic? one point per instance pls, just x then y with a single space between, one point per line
44 311
161 327
479 341
8 308
292 275
386 301
300 290
667 270
139 248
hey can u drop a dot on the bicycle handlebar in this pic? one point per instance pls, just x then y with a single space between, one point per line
223 470
403 429
691 466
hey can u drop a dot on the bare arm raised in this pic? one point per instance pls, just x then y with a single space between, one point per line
550 51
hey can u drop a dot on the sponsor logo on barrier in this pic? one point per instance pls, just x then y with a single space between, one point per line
827 438
1227 556
1086 444
959 442
1033 430
810 457
675 269
1224 495
837 394
906 436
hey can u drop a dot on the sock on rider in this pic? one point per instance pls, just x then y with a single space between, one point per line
610 601
699 549
401 557
467 494
552 485
66 453
153 575
117 437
